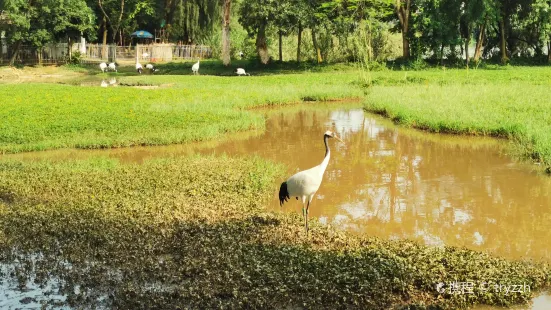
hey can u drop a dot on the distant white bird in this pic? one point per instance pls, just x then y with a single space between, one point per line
151 67
241 54
195 67
103 66
113 67
305 184
112 81
104 83
241 71
139 67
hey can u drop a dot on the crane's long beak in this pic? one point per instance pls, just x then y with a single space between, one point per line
338 139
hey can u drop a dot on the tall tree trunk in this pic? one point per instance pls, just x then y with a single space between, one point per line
261 46
280 33
114 27
502 43
442 54
405 44
479 42
403 16
299 41
104 47
467 41
15 53
316 45
226 57
69 49
39 54
170 10
115 30
549 50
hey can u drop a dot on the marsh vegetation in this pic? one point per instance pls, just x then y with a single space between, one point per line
193 230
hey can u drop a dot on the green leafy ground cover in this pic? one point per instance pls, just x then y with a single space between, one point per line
191 232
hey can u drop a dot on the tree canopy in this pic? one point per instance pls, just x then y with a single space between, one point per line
437 29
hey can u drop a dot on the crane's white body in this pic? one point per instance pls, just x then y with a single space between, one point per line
241 71
195 67
139 67
151 68
113 67
103 66
305 184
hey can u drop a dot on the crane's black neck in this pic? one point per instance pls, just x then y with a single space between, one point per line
325 137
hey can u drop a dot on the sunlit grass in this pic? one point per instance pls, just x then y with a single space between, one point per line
514 104
190 108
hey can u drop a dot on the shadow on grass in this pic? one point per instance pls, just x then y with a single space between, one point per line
261 261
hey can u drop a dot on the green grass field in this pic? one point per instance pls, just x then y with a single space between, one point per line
513 103
186 108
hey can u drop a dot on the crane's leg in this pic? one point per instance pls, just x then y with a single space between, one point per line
305 214
307 211
307 206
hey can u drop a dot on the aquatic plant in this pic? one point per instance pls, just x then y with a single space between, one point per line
191 232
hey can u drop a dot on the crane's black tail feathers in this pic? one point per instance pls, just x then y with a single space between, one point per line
283 193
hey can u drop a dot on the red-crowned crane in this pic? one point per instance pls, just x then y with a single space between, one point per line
103 66
305 184
241 71
113 67
151 68
195 67
139 67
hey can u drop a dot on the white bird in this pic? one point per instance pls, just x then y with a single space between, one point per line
151 67
195 67
305 184
241 71
104 83
241 54
113 81
103 66
139 67
113 67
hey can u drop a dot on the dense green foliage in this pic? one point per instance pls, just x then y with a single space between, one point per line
511 103
183 109
192 232
339 30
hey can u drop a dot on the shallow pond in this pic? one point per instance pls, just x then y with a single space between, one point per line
393 182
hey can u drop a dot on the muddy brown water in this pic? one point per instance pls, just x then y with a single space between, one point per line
392 182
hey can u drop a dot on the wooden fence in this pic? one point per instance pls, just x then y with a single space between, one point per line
92 53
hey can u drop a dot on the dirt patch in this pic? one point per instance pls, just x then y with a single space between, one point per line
147 87
37 74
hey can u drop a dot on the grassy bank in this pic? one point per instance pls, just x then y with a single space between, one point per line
512 103
191 232
183 109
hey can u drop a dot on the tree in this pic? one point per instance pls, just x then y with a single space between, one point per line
402 8
226 59
254 15
41 21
